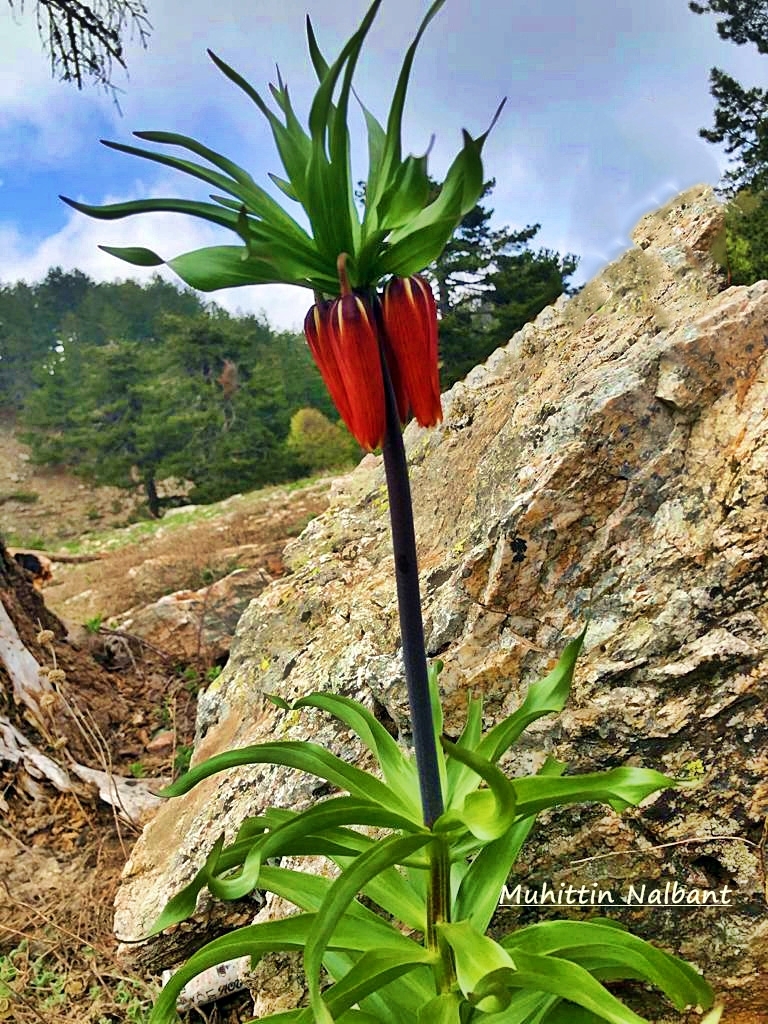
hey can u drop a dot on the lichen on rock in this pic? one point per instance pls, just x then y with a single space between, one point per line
609 462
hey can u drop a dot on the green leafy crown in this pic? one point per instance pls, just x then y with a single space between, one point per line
404 225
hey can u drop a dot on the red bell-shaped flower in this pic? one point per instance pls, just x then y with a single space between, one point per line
409 314
344 343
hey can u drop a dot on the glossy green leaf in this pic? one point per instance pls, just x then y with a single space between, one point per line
387 853
319 63
392 891
393 150
256 199
373 971
560 978
456 772
633 957
116 211
407 195
422 242
525 1007
285 186
396 768
443 1009
254 940
619 787
487 813
545 697
293 145
136 255
476 956
376 144
227 266
302 755
315 821
478 893
278 701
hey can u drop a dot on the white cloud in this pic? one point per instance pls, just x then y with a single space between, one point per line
75 246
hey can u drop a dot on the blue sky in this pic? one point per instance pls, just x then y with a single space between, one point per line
605 100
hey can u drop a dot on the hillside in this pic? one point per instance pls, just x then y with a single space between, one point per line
128 708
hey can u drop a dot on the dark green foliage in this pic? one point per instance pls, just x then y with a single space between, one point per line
36 320
741 115
489 284
746 21
128 385
741 124
745 256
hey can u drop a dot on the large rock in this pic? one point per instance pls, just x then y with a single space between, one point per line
610 461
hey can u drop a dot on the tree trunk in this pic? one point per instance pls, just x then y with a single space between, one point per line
152 499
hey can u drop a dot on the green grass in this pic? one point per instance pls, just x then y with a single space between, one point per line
116 538
43 983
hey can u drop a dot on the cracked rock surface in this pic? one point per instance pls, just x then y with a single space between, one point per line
609 461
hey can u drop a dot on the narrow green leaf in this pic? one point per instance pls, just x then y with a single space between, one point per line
525 1008
136 255
619 787
254 941
373 971
257 200
545 697
476 956
376 143
443 1009
579 940
487 813
422 242
278 701
220 181
397 770
566 980
479 890
318 114
319 63
115 211
387 853
294 146
285 187
307 826
469 739
303 755
225 266
407 195
393 152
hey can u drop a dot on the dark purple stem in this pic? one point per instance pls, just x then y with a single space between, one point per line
409 604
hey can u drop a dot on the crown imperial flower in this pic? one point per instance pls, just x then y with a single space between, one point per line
349 338
410 322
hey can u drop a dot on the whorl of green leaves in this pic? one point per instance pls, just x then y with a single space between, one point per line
401 230
381 971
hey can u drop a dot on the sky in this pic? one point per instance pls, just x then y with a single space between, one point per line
604 102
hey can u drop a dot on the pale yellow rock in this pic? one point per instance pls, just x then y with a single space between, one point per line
610 460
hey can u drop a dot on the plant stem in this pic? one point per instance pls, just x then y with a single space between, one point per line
409 604
416 678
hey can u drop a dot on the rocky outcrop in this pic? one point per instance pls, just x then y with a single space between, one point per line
609 462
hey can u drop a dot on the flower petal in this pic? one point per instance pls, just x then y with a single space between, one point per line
358 358
410 322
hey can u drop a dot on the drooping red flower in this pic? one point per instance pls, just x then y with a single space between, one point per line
347 338
343 339
317 331
409 315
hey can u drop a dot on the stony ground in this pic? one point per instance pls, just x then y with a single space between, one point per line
61 855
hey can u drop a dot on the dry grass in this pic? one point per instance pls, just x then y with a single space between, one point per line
183 551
